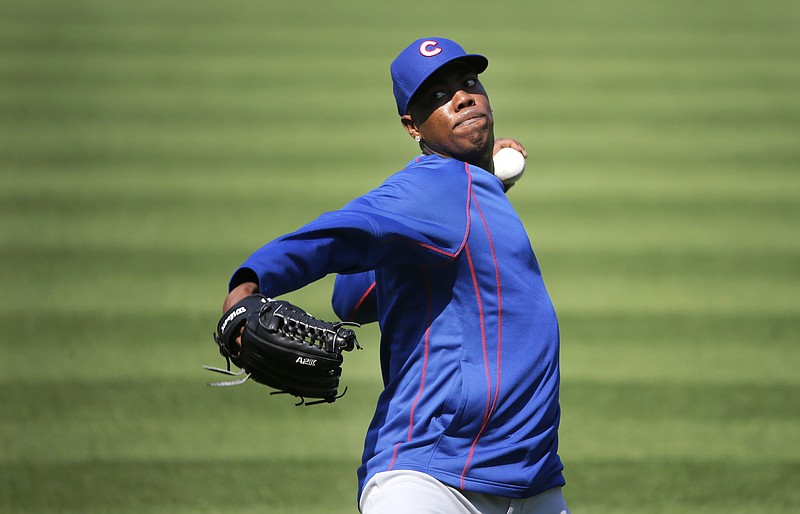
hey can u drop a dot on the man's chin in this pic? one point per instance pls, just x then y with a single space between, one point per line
480 140
478 150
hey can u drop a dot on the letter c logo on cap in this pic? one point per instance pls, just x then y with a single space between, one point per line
429 48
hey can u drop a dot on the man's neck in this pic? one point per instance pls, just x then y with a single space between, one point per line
481 158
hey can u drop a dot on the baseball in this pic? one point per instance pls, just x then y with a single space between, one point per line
509 164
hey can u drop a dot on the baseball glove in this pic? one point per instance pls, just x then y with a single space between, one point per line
283 347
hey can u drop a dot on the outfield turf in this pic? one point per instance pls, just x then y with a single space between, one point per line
147 147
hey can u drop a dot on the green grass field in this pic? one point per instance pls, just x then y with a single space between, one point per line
146 148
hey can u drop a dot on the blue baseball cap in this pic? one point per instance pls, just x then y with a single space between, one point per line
421 59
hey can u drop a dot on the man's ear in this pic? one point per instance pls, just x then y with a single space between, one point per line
410 126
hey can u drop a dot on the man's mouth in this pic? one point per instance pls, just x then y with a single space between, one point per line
469 119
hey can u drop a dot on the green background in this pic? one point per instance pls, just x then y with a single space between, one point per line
147 147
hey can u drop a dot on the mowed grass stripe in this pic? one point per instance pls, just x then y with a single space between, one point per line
85 281
543 186
200 485
664 485
162 343
779 209
745 95
166 418
81 262
104 420
173 340
561 151
133 133
174 399
618 220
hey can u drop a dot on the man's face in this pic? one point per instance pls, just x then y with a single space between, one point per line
452 115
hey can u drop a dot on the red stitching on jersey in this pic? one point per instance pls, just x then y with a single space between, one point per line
429 321
485 350
361 300
451 255
425 354
426 351
491 403
499 292
394 457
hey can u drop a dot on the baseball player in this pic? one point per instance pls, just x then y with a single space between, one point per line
468 418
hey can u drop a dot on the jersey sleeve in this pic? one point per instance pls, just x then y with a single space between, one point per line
354 297
418 216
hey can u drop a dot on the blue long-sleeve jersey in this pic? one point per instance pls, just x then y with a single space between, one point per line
469 336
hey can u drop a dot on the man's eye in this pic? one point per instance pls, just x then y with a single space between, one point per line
470 83
439 95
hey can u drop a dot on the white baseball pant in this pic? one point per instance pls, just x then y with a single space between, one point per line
412 492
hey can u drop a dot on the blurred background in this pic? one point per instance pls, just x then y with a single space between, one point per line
147 148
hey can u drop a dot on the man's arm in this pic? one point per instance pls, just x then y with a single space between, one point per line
238 293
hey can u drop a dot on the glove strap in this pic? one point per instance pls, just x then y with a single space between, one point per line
230 373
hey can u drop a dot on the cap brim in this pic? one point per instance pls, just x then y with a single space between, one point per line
478 62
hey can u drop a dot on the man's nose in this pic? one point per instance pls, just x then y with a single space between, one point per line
463 100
